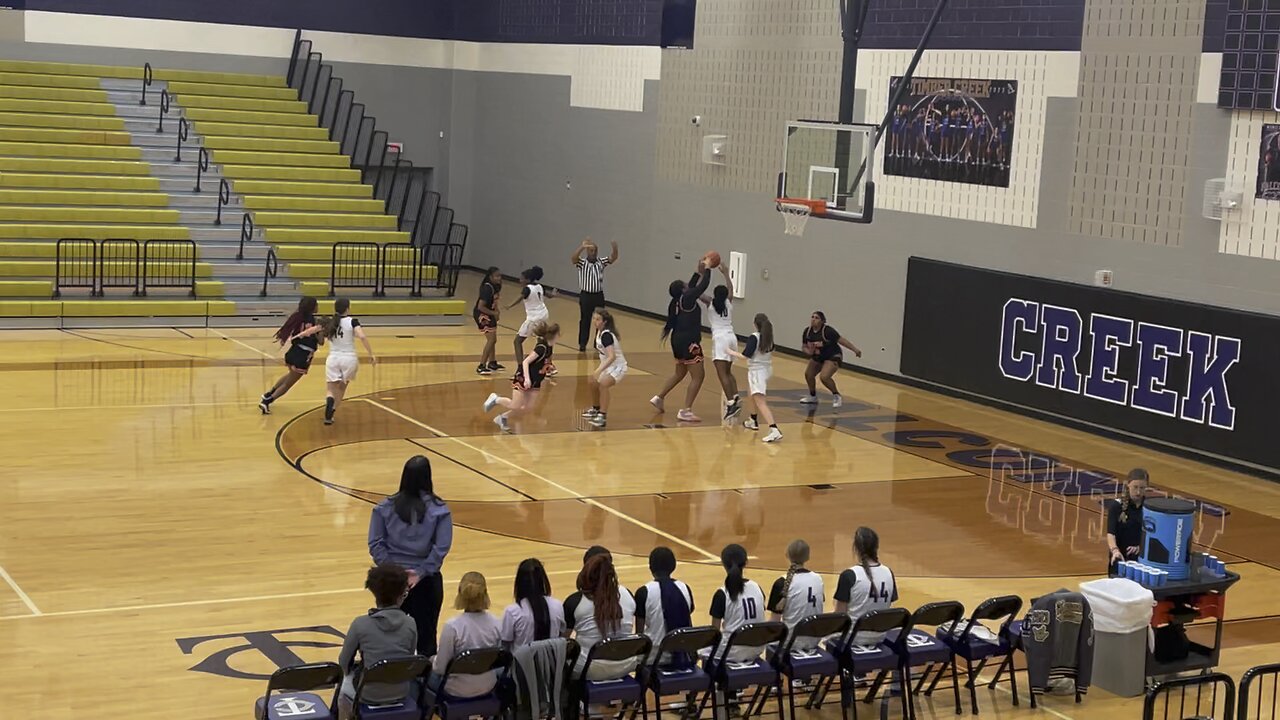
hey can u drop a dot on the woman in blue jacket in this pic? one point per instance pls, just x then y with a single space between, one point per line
414 529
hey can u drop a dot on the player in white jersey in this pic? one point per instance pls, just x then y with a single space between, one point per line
867 586
664 604
799 594
758 353
738 603
724 341
343 363
613 367
534 297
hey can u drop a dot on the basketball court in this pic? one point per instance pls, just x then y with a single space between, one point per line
161 529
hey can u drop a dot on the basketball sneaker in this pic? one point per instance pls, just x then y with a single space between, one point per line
837 401
598 420
590 413
483 370
496 366
265 404
734 407
809 400
773 436
657 403
687 416
750 424
490 401
501 421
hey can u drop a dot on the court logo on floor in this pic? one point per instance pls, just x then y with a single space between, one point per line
255 655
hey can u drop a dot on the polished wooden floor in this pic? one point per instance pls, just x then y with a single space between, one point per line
162 544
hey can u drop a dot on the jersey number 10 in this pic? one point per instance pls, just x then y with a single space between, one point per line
749 608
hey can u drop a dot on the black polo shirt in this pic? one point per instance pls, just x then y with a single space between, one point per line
1128 531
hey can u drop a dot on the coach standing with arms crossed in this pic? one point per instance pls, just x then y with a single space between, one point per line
590 284
414 529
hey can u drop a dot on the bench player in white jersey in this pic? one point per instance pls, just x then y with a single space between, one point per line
342 364
799 594
758 353
724 342
739 602
613 367
867 586
534 297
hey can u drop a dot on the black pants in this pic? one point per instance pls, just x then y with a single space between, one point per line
587 303
423 605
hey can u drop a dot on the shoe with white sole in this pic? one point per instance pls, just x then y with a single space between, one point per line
490 402
837 401
598 420
773 436
809 400
750 424
687 416
501 421
657 403
590 413
734 407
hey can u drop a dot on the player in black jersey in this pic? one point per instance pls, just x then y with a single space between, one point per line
485 312
684 325
823 343
301 349
529 376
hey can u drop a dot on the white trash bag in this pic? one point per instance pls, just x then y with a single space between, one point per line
1119 605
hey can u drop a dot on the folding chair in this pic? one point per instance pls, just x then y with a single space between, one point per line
436 701
392 671
626 689
919 648
294 683
971 647
677 677
880 658
807 663
730 676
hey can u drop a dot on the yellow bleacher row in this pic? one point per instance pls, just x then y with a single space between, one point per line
106 308
59 134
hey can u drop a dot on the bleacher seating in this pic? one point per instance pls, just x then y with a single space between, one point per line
85 153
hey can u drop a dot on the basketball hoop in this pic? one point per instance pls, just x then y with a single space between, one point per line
797 211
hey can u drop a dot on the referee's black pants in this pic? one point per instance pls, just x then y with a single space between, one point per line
423 605
587 303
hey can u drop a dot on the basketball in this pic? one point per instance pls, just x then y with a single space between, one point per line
713 259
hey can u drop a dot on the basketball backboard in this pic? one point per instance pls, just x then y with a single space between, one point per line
828 162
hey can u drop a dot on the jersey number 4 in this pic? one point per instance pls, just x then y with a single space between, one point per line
813 601
882 596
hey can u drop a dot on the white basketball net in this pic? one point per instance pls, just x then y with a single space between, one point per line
795 216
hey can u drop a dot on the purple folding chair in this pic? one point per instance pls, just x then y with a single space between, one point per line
920 648
392 671
680 674
973 648
730 677
857 660
292 698
436 701
626 689
811 663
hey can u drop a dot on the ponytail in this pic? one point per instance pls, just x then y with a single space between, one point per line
334 321
305 313
734 559
797 555
766 333
866 543
599 581
609 323
720 300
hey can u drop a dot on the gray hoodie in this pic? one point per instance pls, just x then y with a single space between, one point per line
383 633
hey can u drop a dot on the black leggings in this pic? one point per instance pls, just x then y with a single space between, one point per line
587 304
423 605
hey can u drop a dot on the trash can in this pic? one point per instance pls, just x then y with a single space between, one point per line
1121 622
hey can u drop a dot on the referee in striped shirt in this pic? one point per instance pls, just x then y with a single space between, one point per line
590 283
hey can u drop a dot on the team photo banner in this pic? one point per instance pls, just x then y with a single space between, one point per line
953 129
1268 187
1197 376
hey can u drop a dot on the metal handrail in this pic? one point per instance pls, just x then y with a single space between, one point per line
202 166
146 81
246 233
164 109
183 133
224 194
271 269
